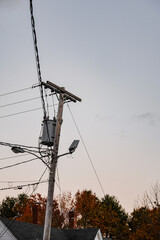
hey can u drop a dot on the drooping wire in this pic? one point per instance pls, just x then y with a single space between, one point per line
11 223
115 220
18 181
89 157
27 111
37 58
45 90
18 113
25 148
54 110
16 164
58 185
6 158
24 185
20 90
36 186
27 100
17 145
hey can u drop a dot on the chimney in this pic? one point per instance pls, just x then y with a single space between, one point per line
35 214
72 220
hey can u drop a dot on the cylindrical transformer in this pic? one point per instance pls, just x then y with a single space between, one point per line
48 131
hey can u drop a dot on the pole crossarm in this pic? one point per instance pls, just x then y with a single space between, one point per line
60 90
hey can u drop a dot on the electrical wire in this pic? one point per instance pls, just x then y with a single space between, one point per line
53 105
92 166
35 188
37 57
47 111
6 158
20 181
27 100
58 185
89 157
14 114
16 164
24 185
18 113
17 145
20 90
26 150
11 223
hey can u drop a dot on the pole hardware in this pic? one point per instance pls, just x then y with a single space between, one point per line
63 96
55 88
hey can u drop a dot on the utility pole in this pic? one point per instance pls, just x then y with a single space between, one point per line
63 97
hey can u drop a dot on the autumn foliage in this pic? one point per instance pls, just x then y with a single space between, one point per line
90 211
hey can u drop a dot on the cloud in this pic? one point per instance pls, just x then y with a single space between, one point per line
149 117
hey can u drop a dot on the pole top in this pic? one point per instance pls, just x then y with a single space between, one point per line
59 90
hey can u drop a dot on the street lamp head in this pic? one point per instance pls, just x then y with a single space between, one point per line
73 146
17 149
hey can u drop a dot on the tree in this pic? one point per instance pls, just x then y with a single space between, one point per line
145 224
113 221
8 206
33 211
106 214
145 219
86 205
151 198
66 204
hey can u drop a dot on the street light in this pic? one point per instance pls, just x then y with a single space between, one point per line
73 146
71 149
17 149
53 163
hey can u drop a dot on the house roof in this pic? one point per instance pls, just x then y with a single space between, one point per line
28 231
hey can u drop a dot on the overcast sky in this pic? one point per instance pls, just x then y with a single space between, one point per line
105 52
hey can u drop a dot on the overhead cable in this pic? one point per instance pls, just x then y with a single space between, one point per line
24 185
20 181
17 145
32 151
6 158
89 157
16 164
27 100
10 115
37 58
18 113
20 90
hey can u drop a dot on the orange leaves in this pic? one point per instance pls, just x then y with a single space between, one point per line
145 224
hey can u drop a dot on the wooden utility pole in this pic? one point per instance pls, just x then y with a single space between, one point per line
63 96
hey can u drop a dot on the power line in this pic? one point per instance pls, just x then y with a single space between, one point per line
10 115
35 187
20 90
92 165
6 158
24 185
37 57
27 100
10 224
89 157
20 181
25 148
16 164
17 145
18 113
